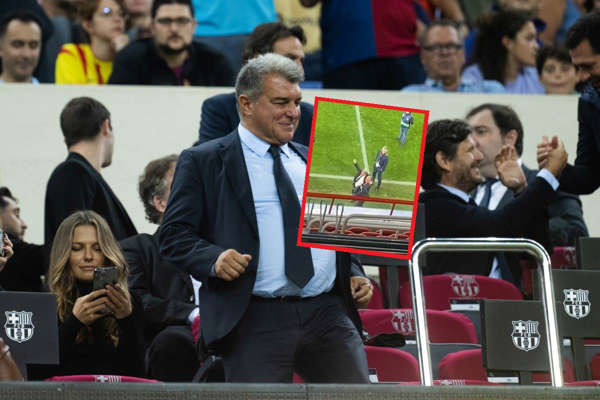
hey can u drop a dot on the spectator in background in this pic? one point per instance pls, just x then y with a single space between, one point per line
169 296
219 113
26 270
496 125
225 25
93 340
170 57
443 56
20 46
505 50
104 23
583 42
6 253
140 20
369 44
76 183
555 70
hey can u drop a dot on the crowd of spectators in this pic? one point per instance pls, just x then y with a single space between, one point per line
148 322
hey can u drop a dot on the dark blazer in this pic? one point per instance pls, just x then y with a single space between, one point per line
140 64
447 215
27 267
564 212
166 292
584 176
75 185
211 209
220 116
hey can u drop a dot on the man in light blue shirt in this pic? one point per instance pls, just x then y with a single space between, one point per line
443 56
269 307
20 46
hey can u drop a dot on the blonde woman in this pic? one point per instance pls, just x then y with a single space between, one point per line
91 341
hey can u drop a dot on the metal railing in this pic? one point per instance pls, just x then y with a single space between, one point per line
483 244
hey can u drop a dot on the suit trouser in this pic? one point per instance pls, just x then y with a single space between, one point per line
377 176
172 355
313 337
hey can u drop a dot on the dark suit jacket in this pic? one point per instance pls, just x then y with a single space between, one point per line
211 209
24 270
75 185
220 116
447 215
166 292
564 213
584 176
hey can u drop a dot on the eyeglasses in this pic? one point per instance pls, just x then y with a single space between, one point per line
449 47
108 12
180 22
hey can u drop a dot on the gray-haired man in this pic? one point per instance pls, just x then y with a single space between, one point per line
268 306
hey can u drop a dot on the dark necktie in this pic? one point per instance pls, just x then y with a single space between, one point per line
487 192
298 261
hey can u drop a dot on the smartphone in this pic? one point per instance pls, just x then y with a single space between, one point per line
105 276
1 243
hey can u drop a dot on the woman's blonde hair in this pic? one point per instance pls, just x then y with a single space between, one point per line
62 282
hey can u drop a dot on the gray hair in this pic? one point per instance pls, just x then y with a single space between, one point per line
250 79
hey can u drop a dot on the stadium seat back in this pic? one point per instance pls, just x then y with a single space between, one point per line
392 365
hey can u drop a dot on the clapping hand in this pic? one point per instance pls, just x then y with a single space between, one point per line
551 154
509 171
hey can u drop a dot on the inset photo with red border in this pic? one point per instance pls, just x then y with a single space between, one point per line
362 178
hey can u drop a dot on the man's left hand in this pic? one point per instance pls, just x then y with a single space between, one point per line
362 290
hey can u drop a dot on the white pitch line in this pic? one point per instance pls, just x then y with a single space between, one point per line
350 178
362 140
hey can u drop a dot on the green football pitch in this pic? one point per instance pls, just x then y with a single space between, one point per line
338 141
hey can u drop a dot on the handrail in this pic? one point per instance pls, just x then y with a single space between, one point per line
438 245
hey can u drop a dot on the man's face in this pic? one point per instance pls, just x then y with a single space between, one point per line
109 145
464 170
587 64
173 28
489 140
20 50
291 48
275 114
10 218
442 54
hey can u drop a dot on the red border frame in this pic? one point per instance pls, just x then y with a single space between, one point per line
417 183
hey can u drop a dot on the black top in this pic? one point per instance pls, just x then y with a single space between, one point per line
23 271
166 292
75 185
140 64
219 117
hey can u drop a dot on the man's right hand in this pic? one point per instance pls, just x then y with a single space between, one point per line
555 157
88 308
230 264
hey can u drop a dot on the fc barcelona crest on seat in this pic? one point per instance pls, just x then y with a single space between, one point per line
577 304
525 335
19 325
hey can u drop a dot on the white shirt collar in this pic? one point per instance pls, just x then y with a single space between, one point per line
456 192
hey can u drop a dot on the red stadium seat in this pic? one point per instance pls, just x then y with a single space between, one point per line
563 257
439 289
595 366
369 233
377 298
443 327
455 382
583 383
467 364
99 378
357 229
392 365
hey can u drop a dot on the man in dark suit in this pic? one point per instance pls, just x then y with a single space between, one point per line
381 161
219 113
451 171
495 125
583 42
76 183
167 293
268 307
26 270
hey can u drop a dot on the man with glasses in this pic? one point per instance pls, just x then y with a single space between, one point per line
443 56
170 57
